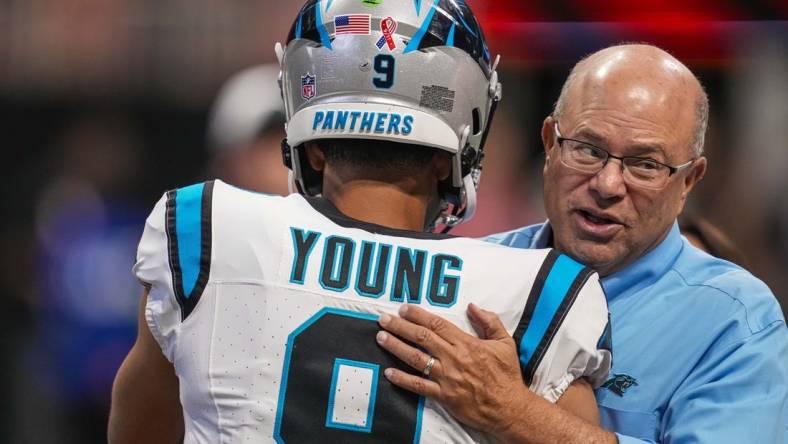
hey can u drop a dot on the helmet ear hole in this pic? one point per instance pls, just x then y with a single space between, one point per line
477 126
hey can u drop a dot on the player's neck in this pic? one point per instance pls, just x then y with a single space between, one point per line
402 205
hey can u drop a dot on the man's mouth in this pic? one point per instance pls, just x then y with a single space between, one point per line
600 220
598 225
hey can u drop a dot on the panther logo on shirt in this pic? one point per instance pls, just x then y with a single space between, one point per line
620 383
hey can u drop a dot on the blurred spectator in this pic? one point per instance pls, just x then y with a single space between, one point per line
704 235
85 312
246 131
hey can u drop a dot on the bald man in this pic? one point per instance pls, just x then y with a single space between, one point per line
700 345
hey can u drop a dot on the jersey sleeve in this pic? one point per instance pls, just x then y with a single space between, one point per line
174 259
152 268
567 329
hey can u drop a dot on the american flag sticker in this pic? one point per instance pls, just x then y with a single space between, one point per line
360 24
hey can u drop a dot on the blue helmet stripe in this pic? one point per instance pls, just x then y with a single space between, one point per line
298 26
414 42
466 26
417 3
324 39
328 4
450 38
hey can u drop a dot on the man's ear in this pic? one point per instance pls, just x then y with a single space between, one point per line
696 173
548 138
442 162
315 156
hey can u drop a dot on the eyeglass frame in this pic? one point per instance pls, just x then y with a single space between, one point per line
671 169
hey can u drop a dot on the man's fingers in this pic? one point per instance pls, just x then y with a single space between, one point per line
411 383
487 323
409 355
441 327
416 334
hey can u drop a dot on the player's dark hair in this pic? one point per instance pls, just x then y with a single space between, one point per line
376 154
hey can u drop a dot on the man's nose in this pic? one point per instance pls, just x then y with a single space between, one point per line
609 181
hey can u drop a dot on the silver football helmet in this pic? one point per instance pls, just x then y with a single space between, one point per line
410 71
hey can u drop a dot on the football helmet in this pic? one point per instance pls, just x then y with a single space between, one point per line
409 71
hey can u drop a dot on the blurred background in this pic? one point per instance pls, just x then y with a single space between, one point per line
104 104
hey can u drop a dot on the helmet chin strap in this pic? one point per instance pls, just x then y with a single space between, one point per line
464 213
470 197
464 209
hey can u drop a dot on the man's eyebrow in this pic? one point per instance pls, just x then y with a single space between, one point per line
588 135
640 150
635 150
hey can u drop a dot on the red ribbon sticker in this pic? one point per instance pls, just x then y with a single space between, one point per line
388 26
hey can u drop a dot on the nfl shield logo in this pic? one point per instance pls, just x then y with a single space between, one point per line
308 87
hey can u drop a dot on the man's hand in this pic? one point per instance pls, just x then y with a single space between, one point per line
478 380
474 378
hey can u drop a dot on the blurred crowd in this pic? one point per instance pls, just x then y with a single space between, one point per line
106 104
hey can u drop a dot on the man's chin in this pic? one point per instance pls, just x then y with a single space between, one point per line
599 256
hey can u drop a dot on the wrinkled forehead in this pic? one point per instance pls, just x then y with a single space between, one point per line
661 107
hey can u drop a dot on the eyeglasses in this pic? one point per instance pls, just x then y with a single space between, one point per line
638 171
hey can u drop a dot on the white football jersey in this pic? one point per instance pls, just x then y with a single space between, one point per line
267 307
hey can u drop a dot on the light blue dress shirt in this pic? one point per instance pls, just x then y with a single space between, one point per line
700 348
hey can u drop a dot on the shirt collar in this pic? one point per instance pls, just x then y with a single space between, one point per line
641 273
543 238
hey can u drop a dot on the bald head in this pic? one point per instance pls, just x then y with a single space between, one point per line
645 78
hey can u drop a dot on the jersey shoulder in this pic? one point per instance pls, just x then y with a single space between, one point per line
173 257
178 247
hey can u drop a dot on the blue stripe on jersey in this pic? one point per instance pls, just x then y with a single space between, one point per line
416 40
188 227
564 272
419 420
